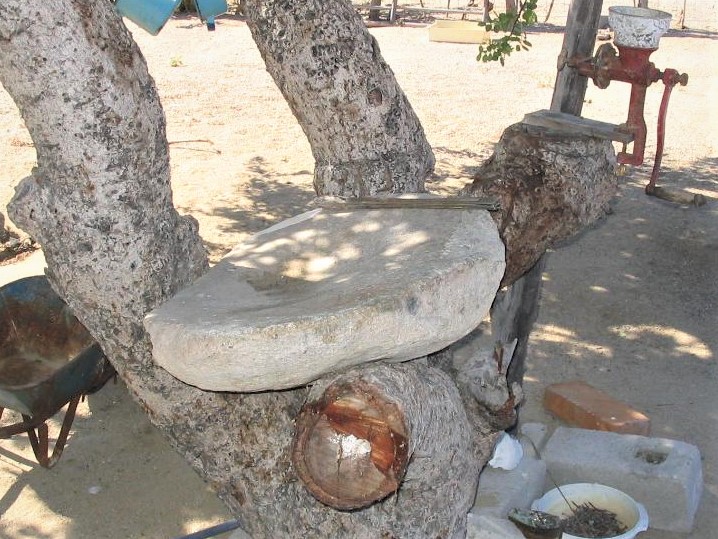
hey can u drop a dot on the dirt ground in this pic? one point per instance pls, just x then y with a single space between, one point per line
631 306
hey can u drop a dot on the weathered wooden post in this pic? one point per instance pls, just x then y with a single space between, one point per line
579 39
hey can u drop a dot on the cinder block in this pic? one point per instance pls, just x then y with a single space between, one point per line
582 405
664 475
502 490
488 527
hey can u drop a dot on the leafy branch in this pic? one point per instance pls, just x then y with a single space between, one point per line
513 25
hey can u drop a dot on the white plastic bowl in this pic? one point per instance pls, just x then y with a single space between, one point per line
629 512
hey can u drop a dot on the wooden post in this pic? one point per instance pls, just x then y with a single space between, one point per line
579 39
374 13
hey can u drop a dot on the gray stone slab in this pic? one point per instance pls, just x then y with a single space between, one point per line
664 475
328 290
502 490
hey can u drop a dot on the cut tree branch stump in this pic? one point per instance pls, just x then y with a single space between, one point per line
351 446
391 430
551 185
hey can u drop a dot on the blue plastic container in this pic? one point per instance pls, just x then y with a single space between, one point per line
151 15
209 9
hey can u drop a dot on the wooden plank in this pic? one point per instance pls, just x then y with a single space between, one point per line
433 203
579 40
569 123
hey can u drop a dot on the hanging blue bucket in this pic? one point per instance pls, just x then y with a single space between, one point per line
209 9
151 15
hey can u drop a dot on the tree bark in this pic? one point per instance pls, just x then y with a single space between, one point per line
100 204
551 185
365 137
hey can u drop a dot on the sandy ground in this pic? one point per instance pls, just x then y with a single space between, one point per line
630 306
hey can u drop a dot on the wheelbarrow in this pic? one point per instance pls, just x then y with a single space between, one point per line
47 359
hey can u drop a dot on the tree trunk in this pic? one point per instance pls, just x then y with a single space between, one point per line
488 6
365 137
551 185
100 204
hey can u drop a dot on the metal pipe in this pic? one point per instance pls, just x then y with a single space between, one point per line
670 79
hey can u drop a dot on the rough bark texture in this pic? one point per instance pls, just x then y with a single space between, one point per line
550 185
328 67
550 188
100 204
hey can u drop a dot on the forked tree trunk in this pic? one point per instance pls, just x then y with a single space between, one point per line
100 204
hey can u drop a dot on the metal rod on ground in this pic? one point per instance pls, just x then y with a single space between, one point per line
213 530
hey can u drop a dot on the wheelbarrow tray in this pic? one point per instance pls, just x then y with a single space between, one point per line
47 356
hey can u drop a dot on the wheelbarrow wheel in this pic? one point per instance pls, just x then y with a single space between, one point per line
39 436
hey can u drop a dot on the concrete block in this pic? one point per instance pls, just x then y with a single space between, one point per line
582 405
502 490
488 527
533 437
664 475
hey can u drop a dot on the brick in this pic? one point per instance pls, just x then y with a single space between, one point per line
582 405
664 475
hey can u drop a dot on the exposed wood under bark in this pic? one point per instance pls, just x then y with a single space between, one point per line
350 446
364 433
513 314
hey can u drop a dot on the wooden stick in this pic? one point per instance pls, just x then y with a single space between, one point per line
379 203
677 197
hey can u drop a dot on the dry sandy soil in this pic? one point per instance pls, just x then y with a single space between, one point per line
630 306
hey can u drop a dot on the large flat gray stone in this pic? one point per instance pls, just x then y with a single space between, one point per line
328 290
